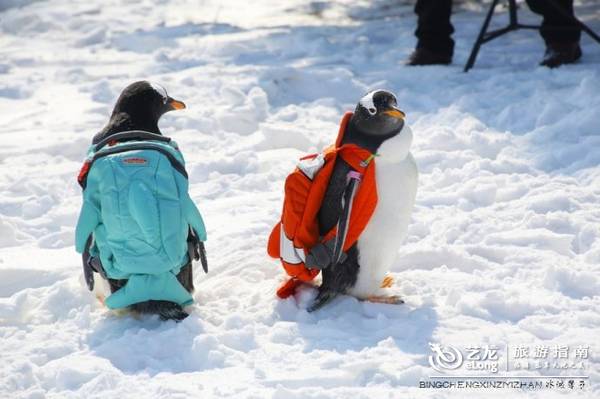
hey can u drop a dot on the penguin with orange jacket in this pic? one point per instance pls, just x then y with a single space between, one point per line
346 211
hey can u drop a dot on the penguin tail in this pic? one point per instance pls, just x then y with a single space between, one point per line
173 313
164 309
323 298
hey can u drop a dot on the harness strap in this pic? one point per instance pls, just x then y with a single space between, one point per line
178 166
131 134
354 179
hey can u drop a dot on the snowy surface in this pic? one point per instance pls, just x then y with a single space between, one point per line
504 246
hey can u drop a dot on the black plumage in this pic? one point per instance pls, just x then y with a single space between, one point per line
139 107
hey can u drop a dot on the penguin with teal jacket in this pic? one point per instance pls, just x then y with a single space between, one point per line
138 229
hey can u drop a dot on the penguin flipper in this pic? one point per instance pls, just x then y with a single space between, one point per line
203 260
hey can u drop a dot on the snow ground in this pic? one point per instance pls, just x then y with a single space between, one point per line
504 247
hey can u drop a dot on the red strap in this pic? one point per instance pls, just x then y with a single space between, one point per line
288 288
357 157
342 130
83 172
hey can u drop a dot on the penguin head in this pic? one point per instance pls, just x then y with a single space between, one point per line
375 119
139 107
145 102
377 114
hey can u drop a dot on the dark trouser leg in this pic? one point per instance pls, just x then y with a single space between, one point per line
434 27
556 27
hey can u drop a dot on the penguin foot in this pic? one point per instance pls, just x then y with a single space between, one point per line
124 313
387 282
389 299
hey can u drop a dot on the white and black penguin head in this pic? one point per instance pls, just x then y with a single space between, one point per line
376 119
377 114
148 100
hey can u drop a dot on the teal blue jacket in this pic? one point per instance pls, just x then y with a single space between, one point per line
137 206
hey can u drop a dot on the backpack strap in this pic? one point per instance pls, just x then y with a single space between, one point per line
178 166
130 135
353 180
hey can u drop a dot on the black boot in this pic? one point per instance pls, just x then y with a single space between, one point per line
423 56
558 54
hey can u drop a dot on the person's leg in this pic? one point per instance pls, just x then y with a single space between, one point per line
434 44
560 32
433 26
557 27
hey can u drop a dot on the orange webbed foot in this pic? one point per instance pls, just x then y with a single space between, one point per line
388 299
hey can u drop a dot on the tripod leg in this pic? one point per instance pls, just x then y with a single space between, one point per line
480 37
512 12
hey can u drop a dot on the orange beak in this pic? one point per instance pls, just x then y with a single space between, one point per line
175 104
395 113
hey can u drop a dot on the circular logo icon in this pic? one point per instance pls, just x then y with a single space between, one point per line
445 357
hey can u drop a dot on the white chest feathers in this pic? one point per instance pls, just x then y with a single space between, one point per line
396 175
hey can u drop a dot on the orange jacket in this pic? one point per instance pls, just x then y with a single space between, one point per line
298 231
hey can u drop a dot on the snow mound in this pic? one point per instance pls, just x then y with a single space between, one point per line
503 248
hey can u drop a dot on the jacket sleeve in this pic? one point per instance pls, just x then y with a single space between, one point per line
88 220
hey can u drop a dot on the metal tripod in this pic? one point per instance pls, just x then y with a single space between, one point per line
485 36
